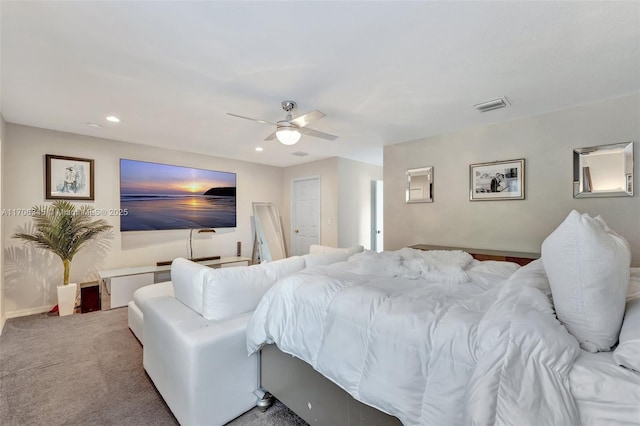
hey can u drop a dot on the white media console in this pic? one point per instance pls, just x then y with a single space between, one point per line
117 285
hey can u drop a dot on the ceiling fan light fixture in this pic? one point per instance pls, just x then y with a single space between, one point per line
290 130
288 135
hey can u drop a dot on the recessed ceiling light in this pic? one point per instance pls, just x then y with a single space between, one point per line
112 118
259 149
94 125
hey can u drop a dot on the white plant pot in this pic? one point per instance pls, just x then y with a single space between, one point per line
67 299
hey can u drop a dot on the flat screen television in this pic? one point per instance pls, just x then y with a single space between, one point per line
157 196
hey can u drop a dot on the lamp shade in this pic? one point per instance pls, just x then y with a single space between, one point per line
288 136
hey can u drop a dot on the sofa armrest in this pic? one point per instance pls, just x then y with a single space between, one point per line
200 367
134 318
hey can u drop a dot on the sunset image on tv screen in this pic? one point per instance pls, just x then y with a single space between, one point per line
157 196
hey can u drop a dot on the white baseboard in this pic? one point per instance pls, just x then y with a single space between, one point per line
3 319
30 311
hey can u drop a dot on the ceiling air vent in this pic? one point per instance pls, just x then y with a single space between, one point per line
300 154
492 104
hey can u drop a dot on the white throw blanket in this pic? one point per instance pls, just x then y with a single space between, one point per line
428 353
444 266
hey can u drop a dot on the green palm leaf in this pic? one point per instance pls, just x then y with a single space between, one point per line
64 230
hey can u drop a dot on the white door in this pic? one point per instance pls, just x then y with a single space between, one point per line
377 239
305 214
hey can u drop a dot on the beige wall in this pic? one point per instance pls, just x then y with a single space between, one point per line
327 170
354 202
31 275
546 142
3 315
345 194
2 133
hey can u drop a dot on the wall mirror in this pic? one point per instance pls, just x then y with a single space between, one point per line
269 239
420 185
603 171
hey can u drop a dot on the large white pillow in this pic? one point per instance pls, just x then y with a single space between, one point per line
627 353
325 258
634 284
282 267
354 249
232 291
531 275
588 269
319 249
188 278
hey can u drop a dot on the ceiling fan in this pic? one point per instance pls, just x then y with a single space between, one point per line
289 130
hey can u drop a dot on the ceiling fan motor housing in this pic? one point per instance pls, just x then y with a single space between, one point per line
289 105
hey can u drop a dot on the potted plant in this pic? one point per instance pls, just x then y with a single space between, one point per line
64 229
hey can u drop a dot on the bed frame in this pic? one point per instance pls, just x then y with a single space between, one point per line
481 254
318 400
312 396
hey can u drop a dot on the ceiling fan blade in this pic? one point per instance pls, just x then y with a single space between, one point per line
252 119
310 117
271 137
317 134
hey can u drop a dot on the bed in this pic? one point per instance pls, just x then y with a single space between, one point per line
394 339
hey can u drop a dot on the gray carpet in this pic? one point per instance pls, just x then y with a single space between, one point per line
86 369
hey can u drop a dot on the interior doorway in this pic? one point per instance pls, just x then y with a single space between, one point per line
305 214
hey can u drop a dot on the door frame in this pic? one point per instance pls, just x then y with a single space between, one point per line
293 210
377 212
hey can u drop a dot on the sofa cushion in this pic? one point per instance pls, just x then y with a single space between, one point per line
233 291
143 294
282 267
588 269
188 280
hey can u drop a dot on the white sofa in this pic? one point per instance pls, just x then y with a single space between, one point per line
194 334
140 297
135 315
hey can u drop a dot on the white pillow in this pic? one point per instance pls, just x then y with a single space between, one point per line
318 249
588 269
233 291
324 259
188 278
531 275
282 267
634 284
627 354
354 250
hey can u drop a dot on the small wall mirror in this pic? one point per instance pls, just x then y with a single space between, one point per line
603 171
420 185
269 240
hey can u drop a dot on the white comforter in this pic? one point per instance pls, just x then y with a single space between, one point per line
427 352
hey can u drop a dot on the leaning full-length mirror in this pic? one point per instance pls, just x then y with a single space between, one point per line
269 236
420 185
603 171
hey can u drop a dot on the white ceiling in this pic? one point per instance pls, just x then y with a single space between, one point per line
383 72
